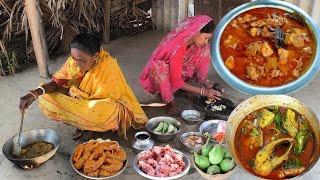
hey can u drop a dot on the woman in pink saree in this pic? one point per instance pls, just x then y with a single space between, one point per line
182 55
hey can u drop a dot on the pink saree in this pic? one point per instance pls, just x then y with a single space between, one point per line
172 62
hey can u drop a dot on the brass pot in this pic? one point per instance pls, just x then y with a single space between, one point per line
260 101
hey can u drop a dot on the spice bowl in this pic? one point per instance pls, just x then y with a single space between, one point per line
192 116
188 147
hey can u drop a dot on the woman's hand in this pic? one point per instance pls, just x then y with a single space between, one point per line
208 84
212 94
26 101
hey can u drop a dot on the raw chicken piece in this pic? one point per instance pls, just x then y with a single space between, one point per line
161 162
152 162
266 49
283 56
156 150
145 156
145 167
152 172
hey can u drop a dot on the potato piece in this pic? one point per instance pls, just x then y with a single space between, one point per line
231 42
272 62
254 32
283 56
266 49
230 62
308 50
266 118
253 73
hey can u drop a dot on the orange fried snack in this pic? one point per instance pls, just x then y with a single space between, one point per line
99 159
111 165
118 154
78 152
94 162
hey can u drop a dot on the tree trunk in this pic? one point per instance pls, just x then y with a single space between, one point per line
38 36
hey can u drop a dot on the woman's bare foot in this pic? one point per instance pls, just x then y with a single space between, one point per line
172 109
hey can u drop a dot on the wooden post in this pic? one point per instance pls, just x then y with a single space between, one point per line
107 12
183 10
160 9
38 36
166 15
154 12
174 14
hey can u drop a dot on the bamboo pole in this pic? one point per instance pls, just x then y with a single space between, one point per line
107 11
38 36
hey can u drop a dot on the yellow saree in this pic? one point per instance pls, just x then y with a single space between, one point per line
102 101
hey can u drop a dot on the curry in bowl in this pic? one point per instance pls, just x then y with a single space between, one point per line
267 47
275 142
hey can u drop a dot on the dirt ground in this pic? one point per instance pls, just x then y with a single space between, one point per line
132 54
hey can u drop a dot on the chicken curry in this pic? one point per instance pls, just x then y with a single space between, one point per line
274 142
267 47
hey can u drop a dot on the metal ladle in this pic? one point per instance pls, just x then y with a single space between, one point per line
17 142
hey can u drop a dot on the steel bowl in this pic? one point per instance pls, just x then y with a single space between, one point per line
29 137
97 178
152 124
192 116
213 126
248 88
260 101
184 172
189 148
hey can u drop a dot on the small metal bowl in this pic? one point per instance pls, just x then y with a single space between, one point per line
140 145
29 137
192 116
189 148
163 138
213 126
184 172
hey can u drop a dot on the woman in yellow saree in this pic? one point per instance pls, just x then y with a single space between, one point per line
89 91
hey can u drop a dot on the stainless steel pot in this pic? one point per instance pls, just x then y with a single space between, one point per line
29 137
